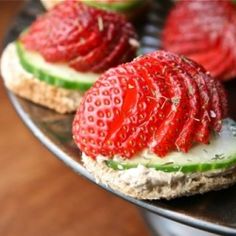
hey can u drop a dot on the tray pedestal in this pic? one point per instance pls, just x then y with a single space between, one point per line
160 226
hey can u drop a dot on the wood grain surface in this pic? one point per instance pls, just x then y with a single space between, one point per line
41 196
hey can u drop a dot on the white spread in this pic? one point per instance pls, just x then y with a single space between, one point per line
10 60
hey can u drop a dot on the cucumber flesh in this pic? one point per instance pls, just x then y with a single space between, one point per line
219 154
57 74
116 6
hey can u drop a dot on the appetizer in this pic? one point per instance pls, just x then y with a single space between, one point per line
64 51
156 128
205 32
130 8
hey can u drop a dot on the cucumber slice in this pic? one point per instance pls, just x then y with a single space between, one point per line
219 154
116 6
57 74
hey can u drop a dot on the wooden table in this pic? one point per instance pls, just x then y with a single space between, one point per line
41 196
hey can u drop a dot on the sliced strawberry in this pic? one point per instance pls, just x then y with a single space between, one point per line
194 37
152 72
188 48
159 101
68 52
216 113
165 136
50 32
204 31
202 128
198 56
218 66
185 138
111 58
86 62
119 47
217 107
184 70
86 38
96 114
90 60
132 131
229 73
223 99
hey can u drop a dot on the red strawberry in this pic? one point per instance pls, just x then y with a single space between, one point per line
86 38
159 101
199 75
205 32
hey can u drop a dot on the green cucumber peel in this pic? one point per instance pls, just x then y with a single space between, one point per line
172 167
218 155
116 6
51 73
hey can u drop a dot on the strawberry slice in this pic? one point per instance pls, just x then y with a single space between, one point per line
223 99
87 62
203 120
86 38
216 113
152 72
49 33
121 50
221 65
184 139
188 47
156 83
165 136
159 101
209 54
205 32
131 132
69 52
223 59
